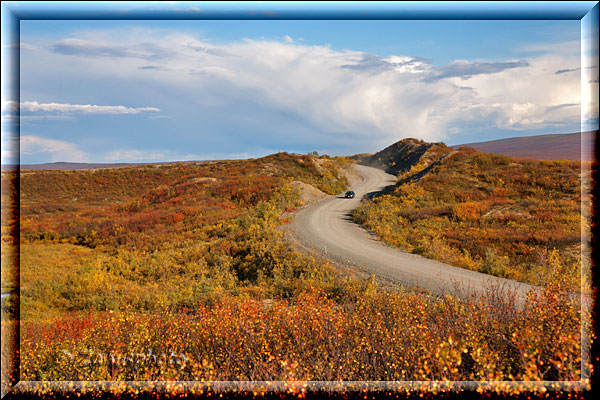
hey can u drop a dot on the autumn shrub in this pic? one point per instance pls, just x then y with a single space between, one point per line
178 272
374 335
485 212
180 233
494 264
468 211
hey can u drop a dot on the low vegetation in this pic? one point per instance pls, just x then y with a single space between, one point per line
362 334
485 212
179 272
176 235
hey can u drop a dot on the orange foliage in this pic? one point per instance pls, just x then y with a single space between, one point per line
468 211
475 204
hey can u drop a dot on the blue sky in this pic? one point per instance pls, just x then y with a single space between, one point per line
143 91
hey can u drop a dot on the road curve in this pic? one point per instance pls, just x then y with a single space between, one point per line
327 227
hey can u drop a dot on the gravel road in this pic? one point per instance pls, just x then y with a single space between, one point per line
327 228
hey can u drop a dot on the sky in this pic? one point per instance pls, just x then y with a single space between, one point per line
153 91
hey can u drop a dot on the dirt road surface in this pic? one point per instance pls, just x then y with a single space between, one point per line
327 228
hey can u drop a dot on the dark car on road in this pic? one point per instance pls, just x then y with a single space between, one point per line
349 194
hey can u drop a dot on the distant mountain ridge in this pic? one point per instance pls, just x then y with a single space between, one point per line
567 146
69 166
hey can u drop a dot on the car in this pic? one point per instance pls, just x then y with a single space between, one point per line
349 194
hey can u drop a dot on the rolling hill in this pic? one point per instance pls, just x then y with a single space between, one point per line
188 259
403 155
486 212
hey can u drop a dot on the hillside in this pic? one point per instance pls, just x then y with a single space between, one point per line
544 147
404 155
186 260
485 212
209 225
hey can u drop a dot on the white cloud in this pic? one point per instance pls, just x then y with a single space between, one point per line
57 150
7 156
528 98
22 46
132 155
33 106
10 148
338 92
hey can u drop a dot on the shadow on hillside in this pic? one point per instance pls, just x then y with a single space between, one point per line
371 195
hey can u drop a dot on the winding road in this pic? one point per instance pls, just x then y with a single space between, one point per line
327 227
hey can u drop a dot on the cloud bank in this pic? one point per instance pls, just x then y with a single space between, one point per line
342 91
343 99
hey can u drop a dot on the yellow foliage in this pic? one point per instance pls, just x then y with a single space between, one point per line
468 211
